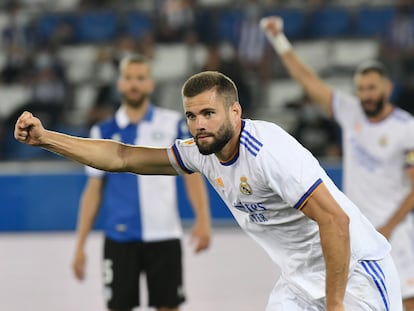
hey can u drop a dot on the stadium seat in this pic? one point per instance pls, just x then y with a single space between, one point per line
315 53
137 24
229 26
11 98
78 61
373 21
344 56
170 62
47 24
96 27
329 22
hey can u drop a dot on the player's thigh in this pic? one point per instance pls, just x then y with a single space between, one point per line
373 286
285 297
164 273
121 268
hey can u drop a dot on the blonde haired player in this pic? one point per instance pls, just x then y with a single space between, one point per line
378 149
330 256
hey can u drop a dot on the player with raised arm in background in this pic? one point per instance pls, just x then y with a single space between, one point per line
330 256
141 224
378 149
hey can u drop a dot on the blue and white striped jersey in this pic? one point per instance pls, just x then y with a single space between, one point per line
141 208
265 185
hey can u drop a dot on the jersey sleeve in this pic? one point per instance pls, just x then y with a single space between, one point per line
346 108
90 171
184 156
292 171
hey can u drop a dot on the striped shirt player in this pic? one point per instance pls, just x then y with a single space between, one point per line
265 186
140 210
375 158
148 214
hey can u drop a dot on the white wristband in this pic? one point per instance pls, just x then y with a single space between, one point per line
281 44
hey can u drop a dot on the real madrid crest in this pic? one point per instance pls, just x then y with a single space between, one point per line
244 186
383 141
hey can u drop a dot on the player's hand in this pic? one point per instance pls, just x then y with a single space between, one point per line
28 129
272 25
200 236
78 265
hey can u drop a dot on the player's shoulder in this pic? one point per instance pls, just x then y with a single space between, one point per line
402 116
167 112
263 130
106 126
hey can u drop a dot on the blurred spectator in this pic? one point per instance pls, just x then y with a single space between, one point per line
252 45
398 46
176 19
253 51
48 91
222 58
146 45
315 130
17 38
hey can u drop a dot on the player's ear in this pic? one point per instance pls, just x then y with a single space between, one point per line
236 109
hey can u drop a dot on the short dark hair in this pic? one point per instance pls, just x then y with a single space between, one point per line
208 80
133 59
371 66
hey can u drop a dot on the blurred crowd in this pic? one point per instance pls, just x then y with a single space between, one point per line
35 35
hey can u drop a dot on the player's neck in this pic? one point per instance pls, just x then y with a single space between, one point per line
384 113
136 114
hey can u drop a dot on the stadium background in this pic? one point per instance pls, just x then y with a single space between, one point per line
60 56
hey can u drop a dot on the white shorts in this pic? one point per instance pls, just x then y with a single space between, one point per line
403 254
372 286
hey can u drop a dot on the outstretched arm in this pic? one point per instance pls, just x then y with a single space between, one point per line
102 154
316 89
334 234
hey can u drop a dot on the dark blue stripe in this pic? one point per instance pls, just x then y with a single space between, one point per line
228 163
253 138
375 271
308 193
379 269
254 153
383 295
246 140
180 161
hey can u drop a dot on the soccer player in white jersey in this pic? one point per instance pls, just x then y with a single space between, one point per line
378 149
330 256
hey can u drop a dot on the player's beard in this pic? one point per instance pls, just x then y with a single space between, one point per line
379 105
134 102
221 138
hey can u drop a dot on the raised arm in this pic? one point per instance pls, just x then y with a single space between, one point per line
334 234
317 90
103 154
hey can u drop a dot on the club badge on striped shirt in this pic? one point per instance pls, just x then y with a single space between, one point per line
244 186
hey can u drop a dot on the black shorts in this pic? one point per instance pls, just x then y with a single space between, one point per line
161 262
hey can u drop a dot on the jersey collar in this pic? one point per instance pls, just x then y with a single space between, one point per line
123 121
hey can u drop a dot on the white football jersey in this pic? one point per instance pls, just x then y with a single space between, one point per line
375 157
265 185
